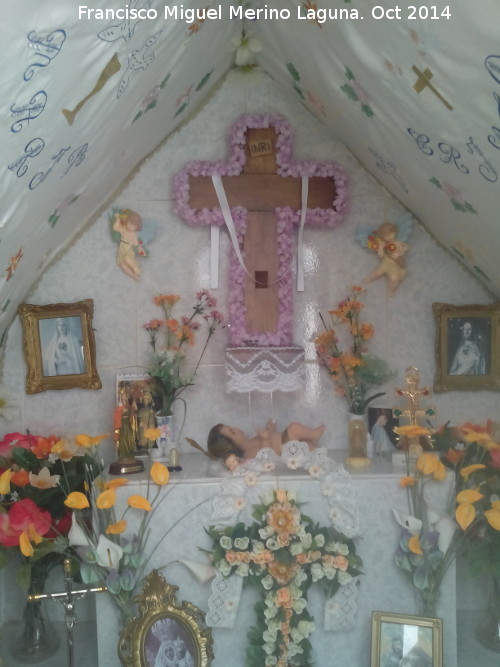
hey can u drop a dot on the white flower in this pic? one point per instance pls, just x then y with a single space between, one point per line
77 536
306 628
294 463
230 605
246 47
250 479
7 408
108 553
224 567
267 582
241 542
243 569
239 503
329 572
328 489
300 577
270 612
316 471
257 547
411 523
268 466
296 548
299 606
226 542
341 548
268 497
44 480
266 532
316 572
306 541
320 540
269 636
269 648
272 544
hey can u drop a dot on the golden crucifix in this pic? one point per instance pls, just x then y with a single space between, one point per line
412 392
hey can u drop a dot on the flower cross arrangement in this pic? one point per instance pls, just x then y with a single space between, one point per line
36 475
170 339
106 552
283 552
352 369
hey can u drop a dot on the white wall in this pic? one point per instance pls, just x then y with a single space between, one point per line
179 264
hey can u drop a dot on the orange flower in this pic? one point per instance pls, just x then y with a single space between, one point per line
20 477
411 430
465 515
284 598
469 496
341 563
117 528
282 572
173 325
407 481
139 502
106 499
77 500
465 472
281 495
89 441
43 447
283 517
414 545
168 299
159 473
116 483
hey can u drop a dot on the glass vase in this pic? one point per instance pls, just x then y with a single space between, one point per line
37 639
488 631
357 437
428 603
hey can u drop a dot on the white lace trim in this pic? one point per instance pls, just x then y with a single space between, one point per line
338 491
264 369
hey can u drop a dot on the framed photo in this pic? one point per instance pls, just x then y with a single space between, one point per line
164 633
467 347
381 423
59 346
406 641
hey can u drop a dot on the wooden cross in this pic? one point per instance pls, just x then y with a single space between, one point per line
260 190
424 81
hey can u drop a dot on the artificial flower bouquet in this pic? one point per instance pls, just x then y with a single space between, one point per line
352 369
36 476
426 545
282 553
473 453
170 339
107 551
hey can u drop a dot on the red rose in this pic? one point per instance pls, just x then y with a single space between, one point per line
11 440
20 516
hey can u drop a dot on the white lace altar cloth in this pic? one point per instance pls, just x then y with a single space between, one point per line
264 369
337 490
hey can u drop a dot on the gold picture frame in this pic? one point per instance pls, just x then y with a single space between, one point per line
162 625
405 640
59 346
467 347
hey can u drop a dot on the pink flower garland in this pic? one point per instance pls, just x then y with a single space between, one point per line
287 217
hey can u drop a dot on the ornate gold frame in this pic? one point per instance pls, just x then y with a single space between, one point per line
31 317
444 315
380 639
157 602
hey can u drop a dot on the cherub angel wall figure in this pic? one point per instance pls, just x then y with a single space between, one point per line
132 233
388 241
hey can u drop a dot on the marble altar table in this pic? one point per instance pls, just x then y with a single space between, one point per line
187 509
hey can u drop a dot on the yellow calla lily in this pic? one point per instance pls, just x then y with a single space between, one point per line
117 528
465 472
115 483
25 545
496 505
85 440
159 473
5 481
469 496
493 518
414 545
77 501
465 515
427 463
407 481
440 470
33 535
139 502
106 499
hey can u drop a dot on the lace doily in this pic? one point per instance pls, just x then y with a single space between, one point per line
336 488
264 369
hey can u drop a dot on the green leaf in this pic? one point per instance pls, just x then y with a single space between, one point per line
25 458
293 72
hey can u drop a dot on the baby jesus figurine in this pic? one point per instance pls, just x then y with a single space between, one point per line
234 447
